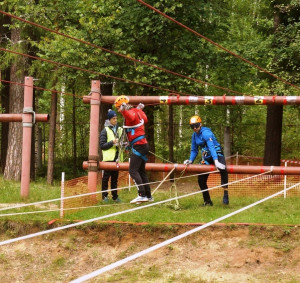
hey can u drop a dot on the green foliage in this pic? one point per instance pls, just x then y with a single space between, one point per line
129 28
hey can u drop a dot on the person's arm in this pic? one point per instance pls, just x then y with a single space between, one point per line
194 149
104 144
130 116
208 137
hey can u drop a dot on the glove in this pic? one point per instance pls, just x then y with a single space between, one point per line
219 165
187 162
140 106
123 106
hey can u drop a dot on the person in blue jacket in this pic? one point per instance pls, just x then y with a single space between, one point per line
211 153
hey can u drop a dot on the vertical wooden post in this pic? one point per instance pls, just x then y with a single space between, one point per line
28 120
94 138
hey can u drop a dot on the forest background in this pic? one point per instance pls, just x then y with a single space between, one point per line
262 31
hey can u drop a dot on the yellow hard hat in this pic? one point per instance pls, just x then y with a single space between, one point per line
120 100
195 119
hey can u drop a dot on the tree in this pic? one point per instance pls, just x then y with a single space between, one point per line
284 18
16 101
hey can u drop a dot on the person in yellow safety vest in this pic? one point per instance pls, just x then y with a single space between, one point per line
109 141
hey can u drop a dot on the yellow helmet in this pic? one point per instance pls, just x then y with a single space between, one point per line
195 119
120 100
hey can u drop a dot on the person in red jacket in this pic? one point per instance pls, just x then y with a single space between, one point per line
135 118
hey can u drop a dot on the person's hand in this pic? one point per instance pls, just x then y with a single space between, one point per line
122 107
187 162
219 165
116 142
140 106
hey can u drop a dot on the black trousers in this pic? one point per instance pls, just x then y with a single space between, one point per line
137 170
202 179
113 175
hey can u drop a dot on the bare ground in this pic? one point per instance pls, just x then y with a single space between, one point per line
216 254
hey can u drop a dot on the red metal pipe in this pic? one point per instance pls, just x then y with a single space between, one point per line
94 135
27 133
193 168
205 100
18 117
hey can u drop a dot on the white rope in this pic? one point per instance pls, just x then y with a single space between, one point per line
163 181
167 242
115 214
93 193
54 210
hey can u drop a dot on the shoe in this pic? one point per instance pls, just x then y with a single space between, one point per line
139 199
225 198
106 200
208 203
117 200
151 199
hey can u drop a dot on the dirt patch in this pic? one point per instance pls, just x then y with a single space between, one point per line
216 254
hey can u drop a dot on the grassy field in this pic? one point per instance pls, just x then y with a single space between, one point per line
275 211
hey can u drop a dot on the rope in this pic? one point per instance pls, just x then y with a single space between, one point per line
88 194
116 213
163 180
120 55
216 44
92 72
172 240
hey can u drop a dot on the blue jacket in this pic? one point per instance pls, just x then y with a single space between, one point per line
208 144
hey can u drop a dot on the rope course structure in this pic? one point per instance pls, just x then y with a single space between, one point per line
93 165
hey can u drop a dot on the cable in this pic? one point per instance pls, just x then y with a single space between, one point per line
117 213
92 193
41 88
92 72
118 54
172 240
216 44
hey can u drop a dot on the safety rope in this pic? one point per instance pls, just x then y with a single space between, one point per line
119 213
172 240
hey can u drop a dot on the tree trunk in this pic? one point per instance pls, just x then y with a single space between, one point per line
16 102
74 138
4 126
171 138
273 135
4 31
51 142
39 148
227 141
272 152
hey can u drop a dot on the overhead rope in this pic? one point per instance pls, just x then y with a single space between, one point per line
119 213
216 44
172 240
119 54
43 89
92 72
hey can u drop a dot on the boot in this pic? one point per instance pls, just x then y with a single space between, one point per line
226 197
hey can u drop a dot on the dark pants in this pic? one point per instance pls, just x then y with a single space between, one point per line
113 175
137 170
202 179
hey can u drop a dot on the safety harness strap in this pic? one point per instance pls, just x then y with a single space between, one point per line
134 151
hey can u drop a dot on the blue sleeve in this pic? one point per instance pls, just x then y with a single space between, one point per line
208 137
194 149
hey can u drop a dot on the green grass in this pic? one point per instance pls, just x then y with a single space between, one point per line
274 211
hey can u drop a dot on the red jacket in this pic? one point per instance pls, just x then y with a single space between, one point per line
133 117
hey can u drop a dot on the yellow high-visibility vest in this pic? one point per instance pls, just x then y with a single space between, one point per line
109 154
